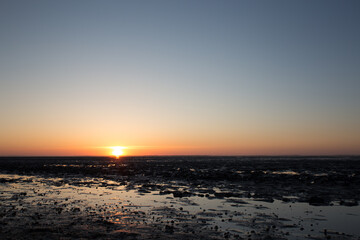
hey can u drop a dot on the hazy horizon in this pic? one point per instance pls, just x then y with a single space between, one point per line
167 155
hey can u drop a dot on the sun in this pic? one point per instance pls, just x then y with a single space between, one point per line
117 151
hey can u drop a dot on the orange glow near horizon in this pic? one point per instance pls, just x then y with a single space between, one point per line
254 147
91 143
117 151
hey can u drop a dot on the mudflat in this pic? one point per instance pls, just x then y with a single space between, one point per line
183 197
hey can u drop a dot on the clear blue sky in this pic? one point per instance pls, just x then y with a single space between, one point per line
182 77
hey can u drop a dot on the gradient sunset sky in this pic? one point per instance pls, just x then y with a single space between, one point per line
179 77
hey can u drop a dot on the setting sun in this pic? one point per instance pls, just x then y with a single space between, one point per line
117 151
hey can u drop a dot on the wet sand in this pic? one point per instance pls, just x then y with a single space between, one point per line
180 198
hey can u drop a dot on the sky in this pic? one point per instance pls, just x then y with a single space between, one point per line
179 77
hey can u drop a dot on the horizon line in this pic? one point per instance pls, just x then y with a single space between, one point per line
194 155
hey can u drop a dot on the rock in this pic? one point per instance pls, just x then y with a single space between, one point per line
181 194
169 229
349 203
316 201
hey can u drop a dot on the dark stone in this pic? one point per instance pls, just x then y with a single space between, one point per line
169 229
316 201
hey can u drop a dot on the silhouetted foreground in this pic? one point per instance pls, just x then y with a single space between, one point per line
180 197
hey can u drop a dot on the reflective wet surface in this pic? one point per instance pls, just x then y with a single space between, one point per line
73 205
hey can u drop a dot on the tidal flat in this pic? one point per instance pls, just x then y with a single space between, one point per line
182 197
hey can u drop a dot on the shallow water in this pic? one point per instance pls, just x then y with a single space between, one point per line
84 207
